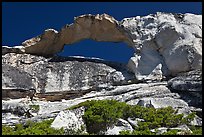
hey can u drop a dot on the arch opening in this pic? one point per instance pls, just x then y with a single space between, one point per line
108 51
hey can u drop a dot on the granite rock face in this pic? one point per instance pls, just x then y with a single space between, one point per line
189 86
65 75
13 78
15 49
16 83
69 120
188 82
120 125
172 40
164 71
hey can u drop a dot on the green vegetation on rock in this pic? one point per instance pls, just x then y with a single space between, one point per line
32 128
196 130
101 114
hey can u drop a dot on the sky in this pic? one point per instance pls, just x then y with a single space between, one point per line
24 20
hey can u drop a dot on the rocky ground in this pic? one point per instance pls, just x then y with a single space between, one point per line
19 99
36 86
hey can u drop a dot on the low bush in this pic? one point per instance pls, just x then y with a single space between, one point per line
32 128
196 130
101 114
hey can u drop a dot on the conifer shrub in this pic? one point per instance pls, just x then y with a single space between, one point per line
101 114
32 128
196 130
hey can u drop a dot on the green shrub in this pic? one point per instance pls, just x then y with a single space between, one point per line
7 130
171 132
32 128
125 132
189 118
101 114
196 130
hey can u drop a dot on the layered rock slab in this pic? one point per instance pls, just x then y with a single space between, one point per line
63 75
189 86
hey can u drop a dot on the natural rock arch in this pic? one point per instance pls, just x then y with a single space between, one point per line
99 28
164 43
96 27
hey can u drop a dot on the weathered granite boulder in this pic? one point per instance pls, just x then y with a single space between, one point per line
160 130
21 110
189 86
15 108
120 125
197 121
70 121
182 128
162 102
188 82
10 119
173 40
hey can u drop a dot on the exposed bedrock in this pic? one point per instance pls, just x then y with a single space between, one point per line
16 83
189 86
67 81
173 41
64 75
156 95
165 70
